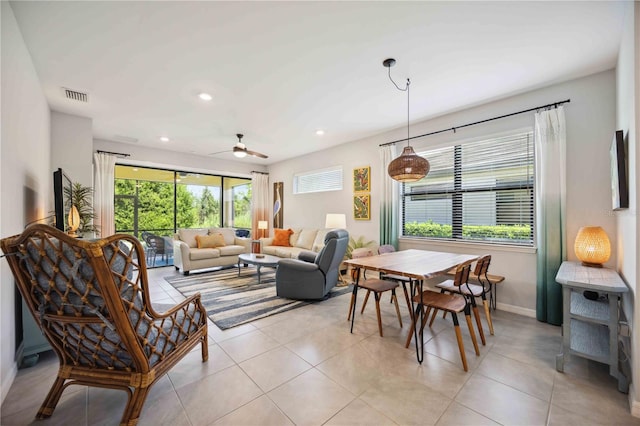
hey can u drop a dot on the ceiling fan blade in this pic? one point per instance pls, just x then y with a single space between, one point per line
256 154
220 152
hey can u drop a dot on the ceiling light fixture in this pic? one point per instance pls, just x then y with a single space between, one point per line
408 167
319 132
164 139
205 96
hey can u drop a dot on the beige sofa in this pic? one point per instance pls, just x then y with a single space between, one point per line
302 239
188 257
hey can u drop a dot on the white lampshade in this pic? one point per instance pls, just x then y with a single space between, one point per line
263 224
336 220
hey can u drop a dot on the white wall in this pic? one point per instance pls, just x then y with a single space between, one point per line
590 124
628 100
144 156
26 182
72 146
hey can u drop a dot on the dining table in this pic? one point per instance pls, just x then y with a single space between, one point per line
416 265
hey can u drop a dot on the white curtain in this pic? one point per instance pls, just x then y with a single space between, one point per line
260 205
390 200
104 171
550 144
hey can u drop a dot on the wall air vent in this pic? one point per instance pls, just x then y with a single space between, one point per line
74 95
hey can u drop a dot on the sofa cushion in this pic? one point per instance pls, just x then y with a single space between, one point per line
293 239
306 238
281 237
210 241
229 234
189 236
204 253
232 250
318 243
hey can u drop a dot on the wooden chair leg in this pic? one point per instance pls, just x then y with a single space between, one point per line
366 298
376 296
406 298
205 348
467 315
50 402
353 300
394 298
463 356
476 314
433 316
134 407
487 313
414 317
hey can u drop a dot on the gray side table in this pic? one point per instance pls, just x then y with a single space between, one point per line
590 327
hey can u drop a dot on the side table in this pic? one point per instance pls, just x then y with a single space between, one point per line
590 327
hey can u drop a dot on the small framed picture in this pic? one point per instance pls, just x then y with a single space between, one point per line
362 207
362 179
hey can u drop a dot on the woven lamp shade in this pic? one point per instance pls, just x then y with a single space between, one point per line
592 246
408 167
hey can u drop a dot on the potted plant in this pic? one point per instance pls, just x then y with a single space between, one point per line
354 244
82 197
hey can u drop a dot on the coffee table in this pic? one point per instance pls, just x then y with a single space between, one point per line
253 259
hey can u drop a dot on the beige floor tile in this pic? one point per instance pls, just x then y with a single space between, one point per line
259 411
407 402
359 413
71 410
311 398
533 380
323 344
502 403
248 345
217 395
459 415
105 406
191 368
221 335
166 410
558 416
275 367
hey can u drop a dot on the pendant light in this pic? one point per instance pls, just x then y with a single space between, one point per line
408 167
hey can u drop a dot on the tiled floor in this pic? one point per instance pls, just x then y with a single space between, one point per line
304 367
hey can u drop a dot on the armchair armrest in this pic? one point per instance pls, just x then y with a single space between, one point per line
244 242
266 241
295 265
307 256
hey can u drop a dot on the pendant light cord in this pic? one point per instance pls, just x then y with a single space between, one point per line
406 89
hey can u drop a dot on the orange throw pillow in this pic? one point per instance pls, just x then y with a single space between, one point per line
281 237
210 241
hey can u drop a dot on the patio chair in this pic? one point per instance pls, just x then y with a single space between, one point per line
91 301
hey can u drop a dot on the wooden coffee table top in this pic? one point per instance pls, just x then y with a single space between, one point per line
265 260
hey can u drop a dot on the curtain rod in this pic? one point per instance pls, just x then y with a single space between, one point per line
453 129
113 153
262 173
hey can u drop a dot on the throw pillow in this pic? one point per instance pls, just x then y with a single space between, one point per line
281 237
210 241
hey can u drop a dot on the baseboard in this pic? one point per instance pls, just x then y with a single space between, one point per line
8 381
516 310
634 404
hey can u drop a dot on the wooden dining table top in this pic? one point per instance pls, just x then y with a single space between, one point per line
412 263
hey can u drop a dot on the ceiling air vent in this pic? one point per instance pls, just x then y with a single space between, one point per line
74 95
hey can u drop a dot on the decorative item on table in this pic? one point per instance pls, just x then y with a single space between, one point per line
259 256
336 221
361 207
408 167
362 179
592 246
73 221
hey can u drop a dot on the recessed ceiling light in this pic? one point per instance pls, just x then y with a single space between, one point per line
319 132
205 96
164 139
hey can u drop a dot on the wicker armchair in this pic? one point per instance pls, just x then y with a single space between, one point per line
91 301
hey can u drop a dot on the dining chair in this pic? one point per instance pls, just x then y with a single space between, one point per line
377 287
388 248
452 303
471 291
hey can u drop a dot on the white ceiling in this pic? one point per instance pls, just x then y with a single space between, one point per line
278 71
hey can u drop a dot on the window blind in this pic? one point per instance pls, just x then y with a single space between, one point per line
482 190
329 179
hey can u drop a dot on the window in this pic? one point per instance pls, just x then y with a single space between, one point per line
478 191
329 179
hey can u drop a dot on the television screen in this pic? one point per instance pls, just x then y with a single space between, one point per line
62 190
619 183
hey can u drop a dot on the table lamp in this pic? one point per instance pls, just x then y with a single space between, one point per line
262 225
73 221
335 221
592 246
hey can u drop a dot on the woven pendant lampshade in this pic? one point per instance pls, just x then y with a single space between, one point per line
408 167
592 246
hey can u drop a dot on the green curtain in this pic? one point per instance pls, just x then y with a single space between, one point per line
390 201
550 140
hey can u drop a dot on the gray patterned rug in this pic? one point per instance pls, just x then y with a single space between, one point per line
231 300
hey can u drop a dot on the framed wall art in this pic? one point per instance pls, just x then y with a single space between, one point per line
278 207
362 179
362 207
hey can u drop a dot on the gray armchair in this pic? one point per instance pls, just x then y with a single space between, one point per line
312 277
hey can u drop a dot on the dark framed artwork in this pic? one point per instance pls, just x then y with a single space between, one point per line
619 182
278 195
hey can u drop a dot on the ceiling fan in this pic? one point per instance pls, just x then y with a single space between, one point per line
241 151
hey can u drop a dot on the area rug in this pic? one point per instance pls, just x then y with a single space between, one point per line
232 300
